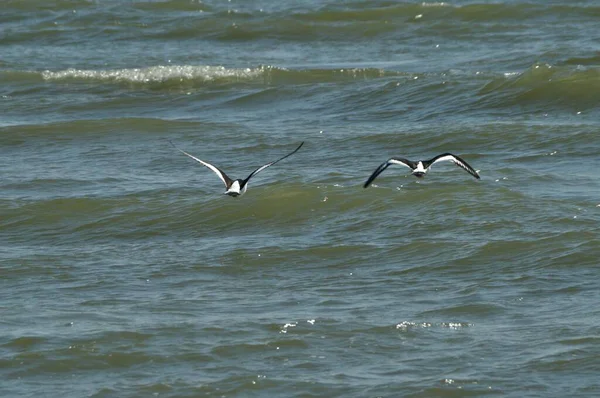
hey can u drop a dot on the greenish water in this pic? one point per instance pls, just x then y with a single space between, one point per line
125 272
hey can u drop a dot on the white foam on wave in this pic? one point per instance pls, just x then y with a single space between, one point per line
154 74
285 327
435 4
405 325
456 325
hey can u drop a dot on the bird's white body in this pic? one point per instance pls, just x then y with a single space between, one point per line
421 169
235 189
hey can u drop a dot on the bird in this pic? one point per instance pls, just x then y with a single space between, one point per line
237 187
419 168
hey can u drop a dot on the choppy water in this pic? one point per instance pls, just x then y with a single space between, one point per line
124 271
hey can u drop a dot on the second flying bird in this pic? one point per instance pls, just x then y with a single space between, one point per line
421 167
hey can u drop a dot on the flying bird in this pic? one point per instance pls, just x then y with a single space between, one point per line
419 168
235 187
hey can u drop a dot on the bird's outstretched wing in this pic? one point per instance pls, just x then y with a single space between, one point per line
385 165
220 173
453 158
261 168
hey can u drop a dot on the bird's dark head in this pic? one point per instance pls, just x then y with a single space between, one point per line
419 174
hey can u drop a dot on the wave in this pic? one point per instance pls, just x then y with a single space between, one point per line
158 74
357 20
172 75
574 71
545 85
152 213
73 21
336 8
394 94
591 60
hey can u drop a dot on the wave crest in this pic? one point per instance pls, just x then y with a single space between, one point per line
158 74
202 75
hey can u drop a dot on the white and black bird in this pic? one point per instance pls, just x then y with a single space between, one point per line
419 168
235 187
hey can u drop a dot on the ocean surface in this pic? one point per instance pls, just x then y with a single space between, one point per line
125 271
